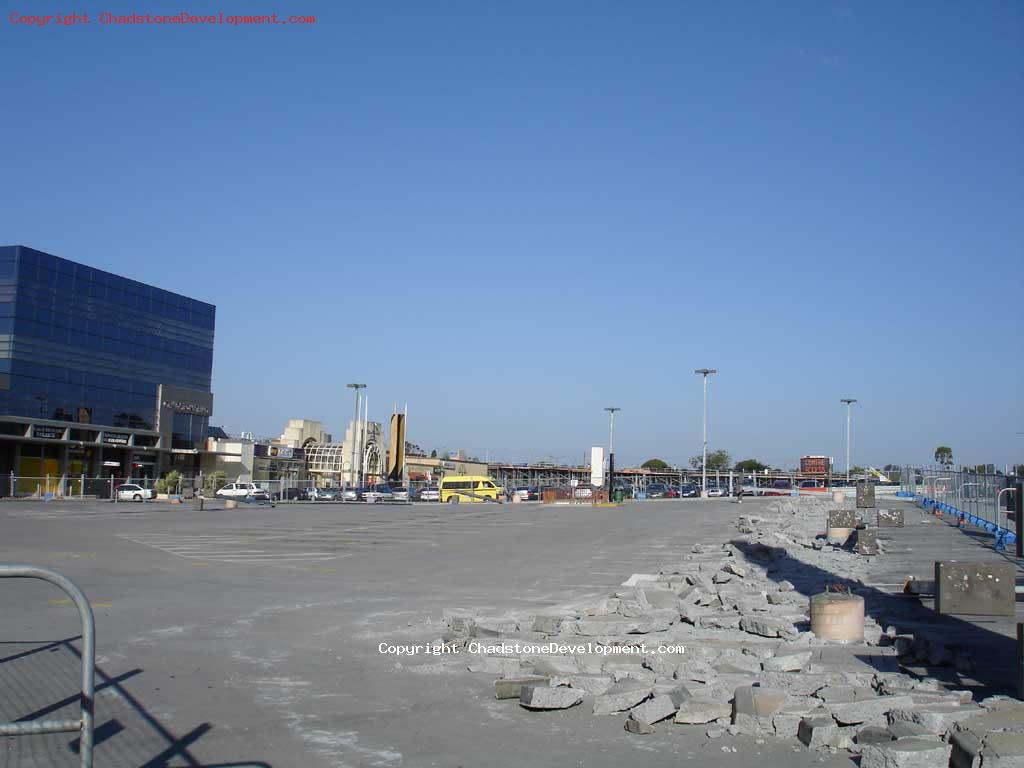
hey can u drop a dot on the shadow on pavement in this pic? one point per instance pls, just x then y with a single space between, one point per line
174 748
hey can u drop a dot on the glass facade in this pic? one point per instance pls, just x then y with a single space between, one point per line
81 345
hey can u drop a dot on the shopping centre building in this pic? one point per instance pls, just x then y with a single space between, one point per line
100 375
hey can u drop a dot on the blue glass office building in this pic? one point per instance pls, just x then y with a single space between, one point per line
100 375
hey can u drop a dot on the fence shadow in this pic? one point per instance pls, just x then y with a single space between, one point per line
174 747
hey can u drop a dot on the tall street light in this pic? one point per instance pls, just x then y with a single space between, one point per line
849 401
611 448
705 372
355 421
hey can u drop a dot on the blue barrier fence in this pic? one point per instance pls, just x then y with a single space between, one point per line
1003 535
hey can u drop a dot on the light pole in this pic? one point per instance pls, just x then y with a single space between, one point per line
849 401
611 448
705 372
355 422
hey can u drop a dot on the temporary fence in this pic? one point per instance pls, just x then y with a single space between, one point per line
978 498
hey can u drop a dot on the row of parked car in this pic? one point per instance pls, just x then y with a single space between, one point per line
379 492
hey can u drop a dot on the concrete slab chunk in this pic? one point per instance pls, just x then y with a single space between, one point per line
512 687
975 588
542 698
817 732
695 711
620 697
653 710
905 753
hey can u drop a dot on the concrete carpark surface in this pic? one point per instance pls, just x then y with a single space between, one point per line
249 637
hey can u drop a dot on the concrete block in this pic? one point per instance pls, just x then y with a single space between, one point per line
592 685
890 518
486 626
696 711
817 732
905 729
937 719
842 518
1003 750
790 662
966 750
635 726
867 710
767 627
865 495
873 734
761 702
621 696
734 569
905 753
865 542
549 625
653 710
512 687
540 698
975 588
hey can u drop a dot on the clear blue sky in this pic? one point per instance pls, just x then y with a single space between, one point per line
510 215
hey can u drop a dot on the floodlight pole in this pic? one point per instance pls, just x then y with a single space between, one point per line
355 422
611 449
705 372
849 401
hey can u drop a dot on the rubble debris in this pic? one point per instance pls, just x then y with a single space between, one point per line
511 687
621 696
905 753
695 711
542 698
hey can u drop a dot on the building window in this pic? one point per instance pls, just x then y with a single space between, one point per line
187 430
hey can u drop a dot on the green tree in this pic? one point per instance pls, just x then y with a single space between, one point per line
169 482
944 456
654 464
215 480
750 465
433 454
719 459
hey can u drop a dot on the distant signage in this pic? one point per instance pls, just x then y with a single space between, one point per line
49 433
183 407
115 438
280 452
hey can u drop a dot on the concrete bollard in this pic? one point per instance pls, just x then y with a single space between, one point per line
230 504
838 497
838 616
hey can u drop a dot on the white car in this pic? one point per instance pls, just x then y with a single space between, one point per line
133 492
430 494
714 491
400 494
242 491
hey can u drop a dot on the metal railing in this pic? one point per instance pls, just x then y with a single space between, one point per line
971 497
84 725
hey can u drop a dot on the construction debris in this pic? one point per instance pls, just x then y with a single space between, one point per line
723 640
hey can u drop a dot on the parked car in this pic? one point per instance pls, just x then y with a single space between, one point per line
533 494
133 492
291 494
717 491
400 494
243 491
323 494
430 493
379 492
656 491
352 494
689 490
522 493
672 492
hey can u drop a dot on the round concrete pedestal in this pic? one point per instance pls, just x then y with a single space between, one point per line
839 536
838 616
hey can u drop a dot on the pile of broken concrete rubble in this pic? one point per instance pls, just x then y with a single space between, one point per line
751 664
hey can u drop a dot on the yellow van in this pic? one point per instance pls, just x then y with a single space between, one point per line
456 488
